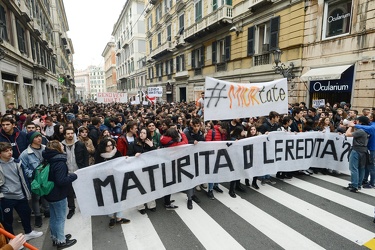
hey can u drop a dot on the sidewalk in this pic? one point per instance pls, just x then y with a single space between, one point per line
43 242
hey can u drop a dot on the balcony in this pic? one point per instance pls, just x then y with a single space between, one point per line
210 23
181 74
36 26
124 43
255 4
25 11
44 38
180 41
262 59
161 50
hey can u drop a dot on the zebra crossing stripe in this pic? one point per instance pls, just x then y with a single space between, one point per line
267 224
343 183
332 222
210 234
80 228
140 233
343 200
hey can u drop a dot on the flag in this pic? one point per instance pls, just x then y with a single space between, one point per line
151 99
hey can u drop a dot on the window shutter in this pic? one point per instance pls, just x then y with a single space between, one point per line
183 62
202 56
250 41
171 66
178 64
227 47
214 47
274 37
193 59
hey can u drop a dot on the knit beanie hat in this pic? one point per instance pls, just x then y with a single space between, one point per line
31 135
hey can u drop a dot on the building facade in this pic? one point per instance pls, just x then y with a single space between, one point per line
241 41
130 49
36 54
110 67
82 82
96 81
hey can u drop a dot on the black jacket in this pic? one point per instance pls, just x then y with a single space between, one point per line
58 173
81 154
139 147
191 136
94 134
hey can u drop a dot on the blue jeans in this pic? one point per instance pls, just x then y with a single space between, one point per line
357 171
57 220
370 169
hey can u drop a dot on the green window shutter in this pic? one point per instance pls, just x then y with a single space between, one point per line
214 4
202 56
250 41
214 48
227 47
183 62
178 64
274 37
193 59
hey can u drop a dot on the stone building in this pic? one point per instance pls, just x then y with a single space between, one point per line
130 47
244 41
36 53
110 67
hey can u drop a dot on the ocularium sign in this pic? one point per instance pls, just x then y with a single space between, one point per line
323 87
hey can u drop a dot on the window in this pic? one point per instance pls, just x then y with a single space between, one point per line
3 24
197 58
169 33
198 10
263 39
158 13
159 38
167 5
180 63
149 22
159 71
21 38
337 17
169 67
221 50
150 44
181 23
214 4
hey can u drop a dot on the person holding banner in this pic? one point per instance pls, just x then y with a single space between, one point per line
143 144
54 154
172 138
107 151
251 132
358 154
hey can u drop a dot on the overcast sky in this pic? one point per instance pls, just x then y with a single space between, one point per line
90 27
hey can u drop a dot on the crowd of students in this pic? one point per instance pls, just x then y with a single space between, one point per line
78 135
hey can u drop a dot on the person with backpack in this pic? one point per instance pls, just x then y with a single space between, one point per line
57 198
14 192
31 158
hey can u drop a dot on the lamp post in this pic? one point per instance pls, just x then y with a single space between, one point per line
280 67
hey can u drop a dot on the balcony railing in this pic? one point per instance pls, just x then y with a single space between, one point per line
165 47
262 59
224 13
256 3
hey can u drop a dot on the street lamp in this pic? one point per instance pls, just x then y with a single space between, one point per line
280 67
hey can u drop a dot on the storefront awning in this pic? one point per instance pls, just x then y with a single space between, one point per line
328 73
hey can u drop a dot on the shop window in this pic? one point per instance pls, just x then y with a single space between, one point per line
337 18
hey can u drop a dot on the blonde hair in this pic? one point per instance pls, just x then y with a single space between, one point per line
55 145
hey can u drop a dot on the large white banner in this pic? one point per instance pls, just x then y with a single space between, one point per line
124 183
226 100
109 97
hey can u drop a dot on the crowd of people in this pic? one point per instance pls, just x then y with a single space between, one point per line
74 136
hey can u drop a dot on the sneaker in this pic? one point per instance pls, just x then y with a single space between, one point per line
368 186
304 172
255 185
33 235
142 211
232 194
190 204
112 223
70 214
66 244
269 181
263 182
196 199
38 221
310 171
67 237
171 207
198 188
354 190
153 209
47 214
217 189
123 221
286 176
204 185
210 195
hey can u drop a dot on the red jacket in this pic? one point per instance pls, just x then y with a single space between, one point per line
217 136
166 141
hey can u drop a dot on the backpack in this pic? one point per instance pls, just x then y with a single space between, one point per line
40 184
